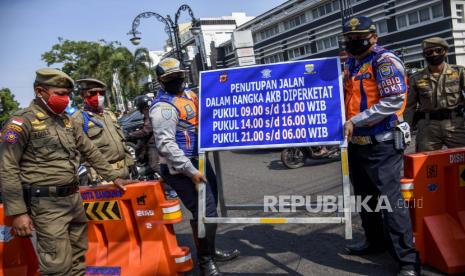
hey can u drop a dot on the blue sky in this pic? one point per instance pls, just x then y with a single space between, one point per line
29 28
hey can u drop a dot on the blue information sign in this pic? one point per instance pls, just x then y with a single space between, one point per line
274 105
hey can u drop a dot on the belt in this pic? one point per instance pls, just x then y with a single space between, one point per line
47 191
119 164
372 140
443 114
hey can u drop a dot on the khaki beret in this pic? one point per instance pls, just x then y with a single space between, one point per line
86 83
54 77
434 42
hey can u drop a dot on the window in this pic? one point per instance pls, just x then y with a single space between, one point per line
296 21
437 11
315 13
420 16
269 32
299 51
459 10
382 27
274 58
401 22
325 9
424 15
413 18
327 43
328 8
228 49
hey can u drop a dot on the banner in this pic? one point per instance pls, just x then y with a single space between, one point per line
273 105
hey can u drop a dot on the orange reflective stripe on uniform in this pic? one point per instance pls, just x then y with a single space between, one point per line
369 80
186 131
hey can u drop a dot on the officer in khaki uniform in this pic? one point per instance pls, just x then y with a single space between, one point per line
436 92
39 159
102 128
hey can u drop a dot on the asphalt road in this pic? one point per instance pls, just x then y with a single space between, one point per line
285 249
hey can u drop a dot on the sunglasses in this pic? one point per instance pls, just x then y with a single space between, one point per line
94 92
438 50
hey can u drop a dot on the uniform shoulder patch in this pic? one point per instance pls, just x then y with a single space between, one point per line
386 69
14 124
11 137
166 113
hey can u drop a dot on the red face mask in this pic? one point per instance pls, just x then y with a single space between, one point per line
95 101
57 103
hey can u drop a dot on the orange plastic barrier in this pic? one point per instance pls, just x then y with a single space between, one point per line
131 233
17 254
434 185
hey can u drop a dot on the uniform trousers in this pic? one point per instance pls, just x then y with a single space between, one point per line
434 134
61 227
375 170
185 189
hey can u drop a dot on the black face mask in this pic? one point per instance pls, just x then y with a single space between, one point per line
435 60
174 86
358 47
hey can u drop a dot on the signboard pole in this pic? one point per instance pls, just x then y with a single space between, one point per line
202 198
346 191
219 180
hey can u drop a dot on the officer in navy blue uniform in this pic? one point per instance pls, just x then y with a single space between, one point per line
375 96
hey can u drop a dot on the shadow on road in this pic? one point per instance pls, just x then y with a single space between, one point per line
264 241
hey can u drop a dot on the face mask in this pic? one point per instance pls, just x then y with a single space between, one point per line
57 104
174 86
96 102
435 60
358 47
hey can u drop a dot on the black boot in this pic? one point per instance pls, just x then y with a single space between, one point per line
226 255
206 249
364 248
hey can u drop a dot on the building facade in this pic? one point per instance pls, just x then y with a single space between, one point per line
199 50
304 29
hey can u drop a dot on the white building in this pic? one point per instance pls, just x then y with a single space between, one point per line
213 32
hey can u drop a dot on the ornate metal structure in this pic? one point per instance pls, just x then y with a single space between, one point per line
171 28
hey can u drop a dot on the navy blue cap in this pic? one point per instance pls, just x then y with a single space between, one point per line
359 24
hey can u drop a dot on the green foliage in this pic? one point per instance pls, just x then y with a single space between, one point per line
100 60
9 104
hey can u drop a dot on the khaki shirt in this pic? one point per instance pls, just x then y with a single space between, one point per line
433 94
43 150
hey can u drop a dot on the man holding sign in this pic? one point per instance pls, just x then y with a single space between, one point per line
375 97
174 116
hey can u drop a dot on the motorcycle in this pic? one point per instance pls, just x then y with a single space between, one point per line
294 158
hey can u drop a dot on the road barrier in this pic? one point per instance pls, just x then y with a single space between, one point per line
130 233
17 254
438 207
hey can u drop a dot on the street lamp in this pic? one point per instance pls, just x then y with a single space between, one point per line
195 31
171 28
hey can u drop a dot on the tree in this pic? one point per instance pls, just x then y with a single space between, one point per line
8 104
100 60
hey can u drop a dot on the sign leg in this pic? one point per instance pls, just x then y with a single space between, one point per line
201 197
346 192
219 180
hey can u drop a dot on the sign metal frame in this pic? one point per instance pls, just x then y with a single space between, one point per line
346 219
